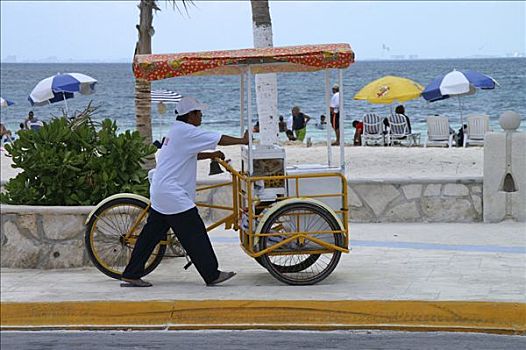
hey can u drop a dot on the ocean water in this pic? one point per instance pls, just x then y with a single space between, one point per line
115 93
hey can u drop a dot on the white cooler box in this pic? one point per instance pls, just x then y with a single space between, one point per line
316 186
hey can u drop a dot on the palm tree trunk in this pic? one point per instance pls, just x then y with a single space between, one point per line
143 109
143 116
266 84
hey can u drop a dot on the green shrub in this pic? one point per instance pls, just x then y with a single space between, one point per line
76 162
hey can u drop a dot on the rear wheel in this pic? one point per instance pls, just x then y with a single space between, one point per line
287 263
106 243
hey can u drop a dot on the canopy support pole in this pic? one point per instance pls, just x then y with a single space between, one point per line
249 113
328 114
342 124
242 102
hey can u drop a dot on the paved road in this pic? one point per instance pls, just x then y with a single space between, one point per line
253 340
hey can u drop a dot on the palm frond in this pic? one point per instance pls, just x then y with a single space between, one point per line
185 3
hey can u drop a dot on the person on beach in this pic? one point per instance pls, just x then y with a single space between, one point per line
299 123
400 109
5 135
29 119
282 125
387 126
322 124
21 128
358 125
335 112
31 122
172 195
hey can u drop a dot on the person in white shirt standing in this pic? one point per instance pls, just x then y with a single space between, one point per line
335 112
172 195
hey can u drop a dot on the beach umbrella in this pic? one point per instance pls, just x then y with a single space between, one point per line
389 89
162 97
60 87
5 103
457 83
165 96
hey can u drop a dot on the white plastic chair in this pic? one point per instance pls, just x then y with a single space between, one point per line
477 126
372 129
399 130
438 132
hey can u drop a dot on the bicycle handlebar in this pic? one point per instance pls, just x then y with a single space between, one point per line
227 167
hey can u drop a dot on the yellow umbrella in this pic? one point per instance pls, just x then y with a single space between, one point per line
389 89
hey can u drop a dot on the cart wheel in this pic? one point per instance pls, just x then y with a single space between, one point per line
302 265
105 233
286 263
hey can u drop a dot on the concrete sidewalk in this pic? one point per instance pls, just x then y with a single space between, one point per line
400 276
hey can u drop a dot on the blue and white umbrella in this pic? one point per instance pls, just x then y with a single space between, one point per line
457 83
162 97
61 87
5 103
165 96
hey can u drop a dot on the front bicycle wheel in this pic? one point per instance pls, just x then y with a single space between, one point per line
301 261
108 243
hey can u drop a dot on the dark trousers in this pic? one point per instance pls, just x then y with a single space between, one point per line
191 232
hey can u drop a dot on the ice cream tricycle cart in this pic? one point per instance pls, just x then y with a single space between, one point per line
292 219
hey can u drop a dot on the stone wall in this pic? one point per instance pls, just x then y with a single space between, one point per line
416 200
43 237
53 237
394 200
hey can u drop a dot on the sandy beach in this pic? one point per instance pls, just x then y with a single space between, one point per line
363 162
382 162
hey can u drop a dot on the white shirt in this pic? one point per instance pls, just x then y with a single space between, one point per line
335 102
289 123
173 185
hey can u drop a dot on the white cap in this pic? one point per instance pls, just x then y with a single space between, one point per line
188 104
336 86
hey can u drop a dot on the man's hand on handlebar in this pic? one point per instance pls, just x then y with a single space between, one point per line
210 155
218 154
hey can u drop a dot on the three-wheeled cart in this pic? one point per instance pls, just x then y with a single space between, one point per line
292 219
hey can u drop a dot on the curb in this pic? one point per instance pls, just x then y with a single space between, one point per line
487 317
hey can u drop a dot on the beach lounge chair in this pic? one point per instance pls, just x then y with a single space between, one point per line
399 131
372 129
438 132
477 126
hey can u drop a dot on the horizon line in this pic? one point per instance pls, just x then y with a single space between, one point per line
98 61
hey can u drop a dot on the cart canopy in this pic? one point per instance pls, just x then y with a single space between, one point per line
306 58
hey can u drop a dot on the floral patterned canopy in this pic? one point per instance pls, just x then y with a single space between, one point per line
306 58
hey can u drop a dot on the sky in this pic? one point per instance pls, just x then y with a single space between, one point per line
104 31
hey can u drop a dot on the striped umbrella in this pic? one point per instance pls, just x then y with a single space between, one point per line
165 96
5 103
162 97
61 87
457 83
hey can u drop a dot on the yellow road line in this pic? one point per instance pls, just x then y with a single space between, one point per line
494 317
